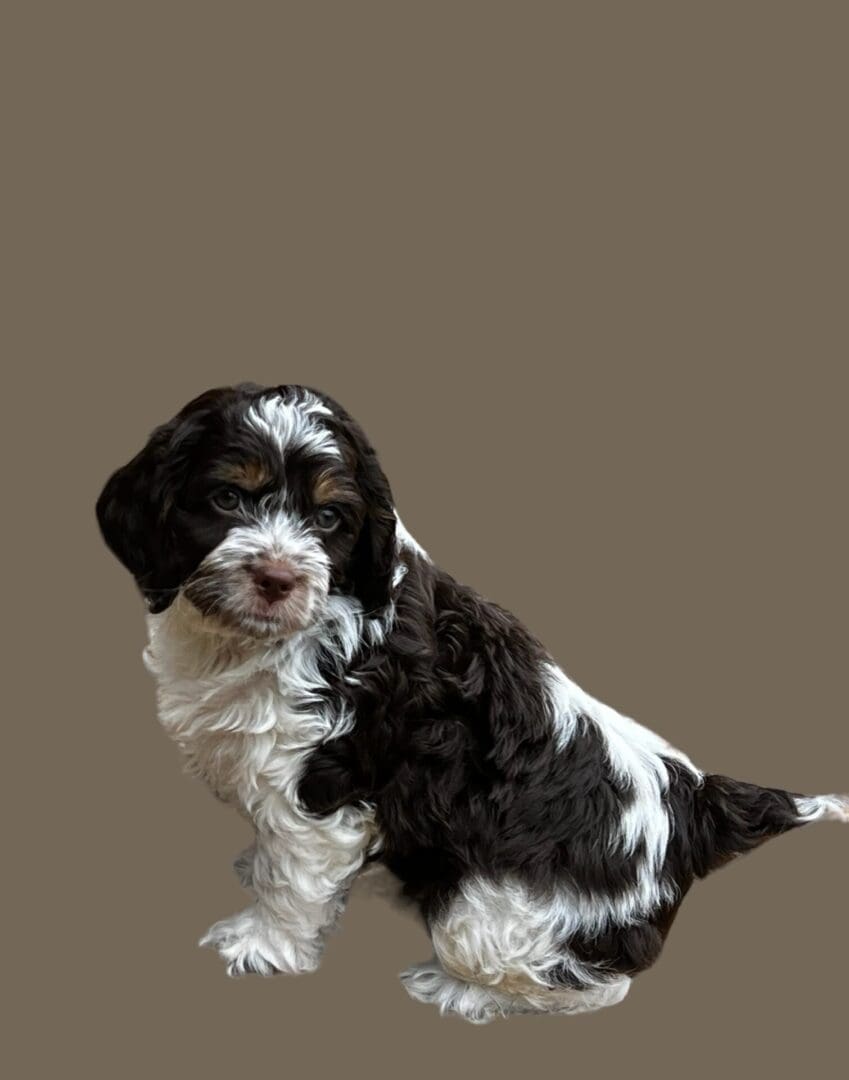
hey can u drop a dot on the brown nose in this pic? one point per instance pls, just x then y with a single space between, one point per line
273 580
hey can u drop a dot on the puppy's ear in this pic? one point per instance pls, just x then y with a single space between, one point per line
133 512
135 508
373 557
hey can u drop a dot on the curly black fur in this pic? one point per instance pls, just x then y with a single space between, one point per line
454 747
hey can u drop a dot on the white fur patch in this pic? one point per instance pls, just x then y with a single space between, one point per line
496 949
293 424
500 932
635 755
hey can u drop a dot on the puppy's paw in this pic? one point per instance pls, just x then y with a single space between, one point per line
250 945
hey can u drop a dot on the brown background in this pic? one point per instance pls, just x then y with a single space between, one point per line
580 269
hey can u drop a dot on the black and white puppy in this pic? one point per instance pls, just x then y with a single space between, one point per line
358 704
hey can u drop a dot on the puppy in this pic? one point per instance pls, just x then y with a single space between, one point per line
356 703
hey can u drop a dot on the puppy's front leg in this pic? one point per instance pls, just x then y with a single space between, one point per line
300 873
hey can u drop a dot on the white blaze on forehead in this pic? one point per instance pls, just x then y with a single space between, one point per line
293 424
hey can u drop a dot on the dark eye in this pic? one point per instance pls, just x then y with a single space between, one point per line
226 499
327 518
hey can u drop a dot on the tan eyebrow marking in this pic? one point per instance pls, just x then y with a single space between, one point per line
328 488
249 475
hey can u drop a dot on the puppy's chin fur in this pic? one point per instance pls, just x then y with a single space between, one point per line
240 626
238 616
547 839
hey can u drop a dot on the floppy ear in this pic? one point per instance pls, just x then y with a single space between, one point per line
135 509
373 557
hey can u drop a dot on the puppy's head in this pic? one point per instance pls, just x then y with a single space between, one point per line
254 505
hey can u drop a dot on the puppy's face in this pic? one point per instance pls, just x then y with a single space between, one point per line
255 505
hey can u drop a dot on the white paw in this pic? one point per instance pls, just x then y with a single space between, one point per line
250 945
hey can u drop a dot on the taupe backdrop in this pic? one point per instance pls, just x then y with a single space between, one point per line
580 269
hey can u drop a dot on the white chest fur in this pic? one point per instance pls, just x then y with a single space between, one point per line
246 719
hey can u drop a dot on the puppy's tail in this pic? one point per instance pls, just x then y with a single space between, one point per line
822 808
731 817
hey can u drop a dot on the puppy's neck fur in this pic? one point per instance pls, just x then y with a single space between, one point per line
245 713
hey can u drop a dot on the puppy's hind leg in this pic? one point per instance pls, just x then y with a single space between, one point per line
500 949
